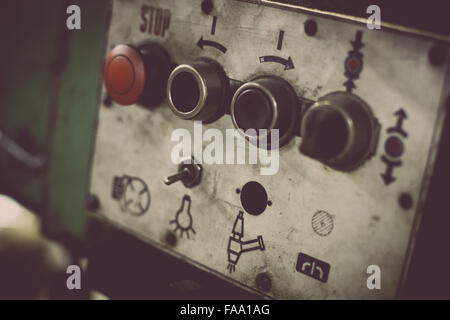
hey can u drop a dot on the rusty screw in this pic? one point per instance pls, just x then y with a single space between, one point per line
436 55
171 239
263 281
405 201
93 203
207 6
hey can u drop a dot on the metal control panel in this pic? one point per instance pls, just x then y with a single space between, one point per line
359 112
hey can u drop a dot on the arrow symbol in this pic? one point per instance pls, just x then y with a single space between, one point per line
357 44
288 63
202 43
349 85
390 165
401 115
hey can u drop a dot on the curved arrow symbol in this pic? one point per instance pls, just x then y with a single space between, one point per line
202 43
288 63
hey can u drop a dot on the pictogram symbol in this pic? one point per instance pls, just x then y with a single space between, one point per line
394 147
322 223
354 62
313 267
132 193
237 246
183 218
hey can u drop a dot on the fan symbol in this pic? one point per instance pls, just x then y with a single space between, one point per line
183 218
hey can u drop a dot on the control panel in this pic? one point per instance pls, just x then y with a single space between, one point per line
284 150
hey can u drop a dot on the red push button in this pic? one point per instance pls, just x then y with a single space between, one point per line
120 77
124 74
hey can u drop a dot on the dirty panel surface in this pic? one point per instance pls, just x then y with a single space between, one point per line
321 228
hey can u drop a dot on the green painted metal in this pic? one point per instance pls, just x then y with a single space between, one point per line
74 130
50 89
27 91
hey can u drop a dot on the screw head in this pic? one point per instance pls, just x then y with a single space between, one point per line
93 203
405 201
207 6
107 101
171 239
263 281
310 27
436 55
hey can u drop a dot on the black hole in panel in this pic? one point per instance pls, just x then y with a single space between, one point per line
254 198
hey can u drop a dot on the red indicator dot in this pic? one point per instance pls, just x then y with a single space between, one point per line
394 147
353 64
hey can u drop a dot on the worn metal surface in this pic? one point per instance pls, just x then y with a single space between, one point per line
368 225
75 119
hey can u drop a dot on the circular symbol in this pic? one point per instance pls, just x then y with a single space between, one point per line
322 223
353 64
254 198
393 146
136 197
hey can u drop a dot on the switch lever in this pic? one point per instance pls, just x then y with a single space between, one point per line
180 176
189 173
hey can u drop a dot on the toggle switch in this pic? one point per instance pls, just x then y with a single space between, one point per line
266 102
189 173
137 75
340 131
198 91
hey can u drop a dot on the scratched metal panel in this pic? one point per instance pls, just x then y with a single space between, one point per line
369 227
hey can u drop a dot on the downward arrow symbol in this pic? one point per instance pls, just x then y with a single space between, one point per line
390 165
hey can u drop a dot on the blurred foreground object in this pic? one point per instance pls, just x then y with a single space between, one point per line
27 259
